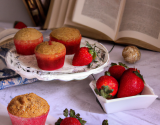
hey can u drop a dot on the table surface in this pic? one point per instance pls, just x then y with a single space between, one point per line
78 95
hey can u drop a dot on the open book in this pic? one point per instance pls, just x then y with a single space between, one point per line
131 22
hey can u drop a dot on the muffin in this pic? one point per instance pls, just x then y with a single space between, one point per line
26 40
70 37
50 55
28 109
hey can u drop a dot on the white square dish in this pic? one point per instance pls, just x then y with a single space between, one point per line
144 100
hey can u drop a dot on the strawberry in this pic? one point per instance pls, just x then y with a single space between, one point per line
106 86
19 25
84 56
73 119
70 121
116 70
131 83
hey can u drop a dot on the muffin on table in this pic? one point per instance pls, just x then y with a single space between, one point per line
70 37
28 109
50 55
26 40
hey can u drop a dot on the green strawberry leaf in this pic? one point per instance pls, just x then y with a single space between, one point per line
104 92
94 55
88 45
81 121
58 121
91 51
65 112
72 113
96 91
105 122
138 74
122 64
107 73
77 115
113 64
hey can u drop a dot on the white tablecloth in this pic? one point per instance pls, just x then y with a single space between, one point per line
78 95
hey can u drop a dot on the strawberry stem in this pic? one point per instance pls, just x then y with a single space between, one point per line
122 64
104 92
107 73
71 113
138 74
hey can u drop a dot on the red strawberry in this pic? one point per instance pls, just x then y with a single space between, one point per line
133 69
117 70
106 86
82 57
70 121
131 83
85 55
74 119
19 25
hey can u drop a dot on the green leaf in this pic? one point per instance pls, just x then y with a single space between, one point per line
94 55
77 115
138 74
122 64
88 45
105 122
81 121
113 64
107 73
104 92
91 52
58 121
72 113
65 112
96 91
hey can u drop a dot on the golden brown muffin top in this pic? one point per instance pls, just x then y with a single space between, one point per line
65 33
27 34
50 48
28 105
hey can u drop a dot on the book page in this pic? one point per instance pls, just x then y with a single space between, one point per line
53 14
85 31
102 15
141 21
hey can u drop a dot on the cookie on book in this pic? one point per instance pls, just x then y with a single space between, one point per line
26 40
70 37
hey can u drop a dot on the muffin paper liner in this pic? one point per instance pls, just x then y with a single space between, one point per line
40 120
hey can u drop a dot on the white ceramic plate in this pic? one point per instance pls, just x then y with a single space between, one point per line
5 120
27 66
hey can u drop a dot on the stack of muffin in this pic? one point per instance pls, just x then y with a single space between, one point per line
50 55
